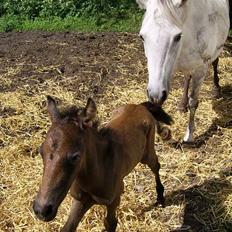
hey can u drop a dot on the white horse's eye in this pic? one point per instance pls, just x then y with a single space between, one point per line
177 37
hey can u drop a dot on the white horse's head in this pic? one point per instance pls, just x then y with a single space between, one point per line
161 32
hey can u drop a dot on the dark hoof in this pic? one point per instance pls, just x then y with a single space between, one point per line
110 226
160 203
190 144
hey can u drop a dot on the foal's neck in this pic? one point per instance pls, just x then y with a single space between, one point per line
97 147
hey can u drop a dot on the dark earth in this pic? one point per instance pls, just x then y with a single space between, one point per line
43 55
46 55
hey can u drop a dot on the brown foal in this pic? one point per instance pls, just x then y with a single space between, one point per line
92 163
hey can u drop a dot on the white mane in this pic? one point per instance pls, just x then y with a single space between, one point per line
173 11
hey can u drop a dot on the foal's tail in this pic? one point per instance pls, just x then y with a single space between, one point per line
158 113
161 116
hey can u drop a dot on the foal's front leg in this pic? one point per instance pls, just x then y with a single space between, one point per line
111 220
78 209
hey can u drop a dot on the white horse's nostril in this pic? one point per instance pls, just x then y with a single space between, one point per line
156 98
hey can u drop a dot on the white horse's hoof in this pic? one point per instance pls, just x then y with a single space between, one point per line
188 138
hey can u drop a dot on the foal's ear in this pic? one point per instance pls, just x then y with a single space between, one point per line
91 109
52 109
90 112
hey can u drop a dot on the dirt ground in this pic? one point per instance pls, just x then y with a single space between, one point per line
111 68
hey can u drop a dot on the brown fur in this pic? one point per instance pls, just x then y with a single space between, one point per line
92 163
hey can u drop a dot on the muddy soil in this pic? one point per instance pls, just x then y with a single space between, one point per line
35 57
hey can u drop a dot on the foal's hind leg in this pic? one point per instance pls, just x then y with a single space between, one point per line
154 165
216 87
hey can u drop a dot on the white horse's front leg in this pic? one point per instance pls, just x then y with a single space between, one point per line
193 104
197 79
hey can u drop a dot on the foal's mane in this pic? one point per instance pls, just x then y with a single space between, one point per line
71 114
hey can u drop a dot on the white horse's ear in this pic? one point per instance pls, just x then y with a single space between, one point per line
142 3
179 3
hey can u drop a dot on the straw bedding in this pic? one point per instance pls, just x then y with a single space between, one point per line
111 68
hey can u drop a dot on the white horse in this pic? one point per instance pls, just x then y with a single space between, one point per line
183 35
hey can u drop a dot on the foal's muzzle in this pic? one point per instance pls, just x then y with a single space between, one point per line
44 212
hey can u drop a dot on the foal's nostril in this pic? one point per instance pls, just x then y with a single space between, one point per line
42 212
47 211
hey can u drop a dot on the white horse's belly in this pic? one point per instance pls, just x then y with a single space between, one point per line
193 59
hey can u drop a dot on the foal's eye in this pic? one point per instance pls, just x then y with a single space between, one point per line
75 157
178 37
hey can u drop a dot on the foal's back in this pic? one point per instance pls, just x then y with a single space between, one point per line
130 119
132 126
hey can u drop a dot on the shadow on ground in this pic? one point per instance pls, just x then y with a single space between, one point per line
223 108
204 209
204 206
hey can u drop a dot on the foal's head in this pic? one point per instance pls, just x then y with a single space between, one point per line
62 152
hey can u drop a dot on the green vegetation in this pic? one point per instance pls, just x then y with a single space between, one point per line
61 15
79 23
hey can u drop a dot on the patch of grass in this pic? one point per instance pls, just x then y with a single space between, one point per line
9 23
131 23
58 24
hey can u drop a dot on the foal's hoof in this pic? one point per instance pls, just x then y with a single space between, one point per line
165 134
160 203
